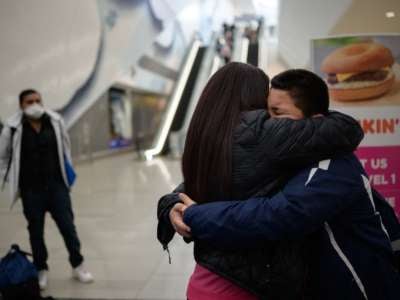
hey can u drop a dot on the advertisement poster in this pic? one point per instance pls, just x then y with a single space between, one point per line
363 76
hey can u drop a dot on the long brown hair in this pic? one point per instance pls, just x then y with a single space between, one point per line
207 157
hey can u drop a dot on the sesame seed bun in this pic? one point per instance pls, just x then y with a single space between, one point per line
359 57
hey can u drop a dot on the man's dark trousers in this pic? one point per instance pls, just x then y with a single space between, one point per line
55 199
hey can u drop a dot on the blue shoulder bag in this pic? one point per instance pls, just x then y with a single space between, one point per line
69 170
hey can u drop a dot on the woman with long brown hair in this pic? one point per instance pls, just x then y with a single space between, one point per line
232 151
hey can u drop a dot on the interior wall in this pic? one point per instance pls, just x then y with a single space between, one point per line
128 31
300 21
161 29
369 16
73 51
93 133
48 45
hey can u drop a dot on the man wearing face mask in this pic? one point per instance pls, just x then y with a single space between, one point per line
34 149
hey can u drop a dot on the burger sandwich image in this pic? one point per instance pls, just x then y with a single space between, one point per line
359 71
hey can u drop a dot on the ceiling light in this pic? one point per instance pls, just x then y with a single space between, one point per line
390 14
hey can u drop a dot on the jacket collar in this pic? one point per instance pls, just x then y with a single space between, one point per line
16 119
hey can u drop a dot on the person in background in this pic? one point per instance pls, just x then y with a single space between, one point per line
34 155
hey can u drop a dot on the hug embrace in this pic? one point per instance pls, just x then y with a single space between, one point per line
282 208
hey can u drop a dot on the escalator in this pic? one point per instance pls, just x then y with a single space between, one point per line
180 98
151 119
252 53
246 48
139 119
199 64
211 62
188 91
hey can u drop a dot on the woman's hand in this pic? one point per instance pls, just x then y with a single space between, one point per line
186 200
176 218
176 215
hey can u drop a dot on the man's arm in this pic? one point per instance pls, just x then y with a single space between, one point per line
5 139
303 206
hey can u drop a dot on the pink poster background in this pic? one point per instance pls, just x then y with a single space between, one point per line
382 164
378 115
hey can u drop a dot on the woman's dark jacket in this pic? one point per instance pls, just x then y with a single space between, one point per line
265 153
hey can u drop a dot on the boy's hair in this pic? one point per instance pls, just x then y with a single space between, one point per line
308 90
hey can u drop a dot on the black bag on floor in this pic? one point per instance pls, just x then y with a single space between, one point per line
18 276
28 290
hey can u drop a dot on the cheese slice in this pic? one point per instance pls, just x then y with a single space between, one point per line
343 76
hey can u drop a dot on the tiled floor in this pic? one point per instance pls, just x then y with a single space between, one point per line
115 208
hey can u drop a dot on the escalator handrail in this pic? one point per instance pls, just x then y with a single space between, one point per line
240 45
204 75
176 96
245 49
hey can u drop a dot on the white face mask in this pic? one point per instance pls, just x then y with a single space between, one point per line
34 111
